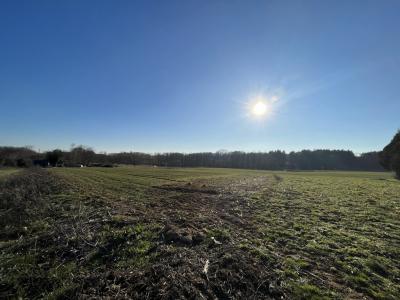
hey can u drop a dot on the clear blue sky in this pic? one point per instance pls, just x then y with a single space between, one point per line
175 75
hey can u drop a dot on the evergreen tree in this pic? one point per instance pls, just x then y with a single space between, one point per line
390 155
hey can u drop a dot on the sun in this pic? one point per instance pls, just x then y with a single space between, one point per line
259 108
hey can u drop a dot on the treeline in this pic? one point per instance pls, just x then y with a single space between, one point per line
272 160
390 155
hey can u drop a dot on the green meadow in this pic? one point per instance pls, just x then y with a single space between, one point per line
7 171
137 232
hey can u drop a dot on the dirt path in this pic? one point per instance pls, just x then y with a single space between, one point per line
200 249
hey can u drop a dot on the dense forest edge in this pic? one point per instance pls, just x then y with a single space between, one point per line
79 156
272 160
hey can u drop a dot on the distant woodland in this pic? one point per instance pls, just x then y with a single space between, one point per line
272 160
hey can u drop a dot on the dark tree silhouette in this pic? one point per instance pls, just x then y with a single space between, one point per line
390 155
81 155
54 156
273 160
16 156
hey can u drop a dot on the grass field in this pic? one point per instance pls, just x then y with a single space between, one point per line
7 171
142 232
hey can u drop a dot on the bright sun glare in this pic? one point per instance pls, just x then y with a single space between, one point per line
259 108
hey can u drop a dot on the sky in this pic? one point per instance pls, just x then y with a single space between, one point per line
160 76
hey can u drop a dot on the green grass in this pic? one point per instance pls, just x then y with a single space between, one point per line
329 235
344 225
7 171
